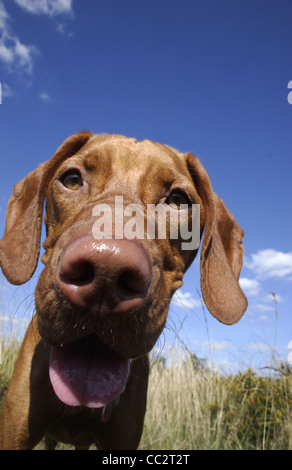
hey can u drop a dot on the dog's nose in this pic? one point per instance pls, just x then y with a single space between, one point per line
104 275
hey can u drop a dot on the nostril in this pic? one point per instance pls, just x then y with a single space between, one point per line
130 283
79 273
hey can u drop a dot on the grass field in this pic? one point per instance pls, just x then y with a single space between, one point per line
191 407
194 408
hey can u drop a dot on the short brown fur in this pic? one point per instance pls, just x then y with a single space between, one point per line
143 173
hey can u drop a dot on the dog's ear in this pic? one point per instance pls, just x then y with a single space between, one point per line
20 245
221 251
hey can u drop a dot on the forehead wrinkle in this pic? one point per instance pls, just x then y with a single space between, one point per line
113 165
98 165
143 167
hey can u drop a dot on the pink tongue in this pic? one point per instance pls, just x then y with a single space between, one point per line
83 373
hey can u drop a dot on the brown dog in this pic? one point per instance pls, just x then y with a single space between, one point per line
101 304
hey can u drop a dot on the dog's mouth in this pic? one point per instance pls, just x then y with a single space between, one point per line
87 373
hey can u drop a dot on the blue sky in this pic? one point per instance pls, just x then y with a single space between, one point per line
206 76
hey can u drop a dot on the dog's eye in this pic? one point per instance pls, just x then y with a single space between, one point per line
176 199
72 180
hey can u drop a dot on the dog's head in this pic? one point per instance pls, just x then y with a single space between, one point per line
117 286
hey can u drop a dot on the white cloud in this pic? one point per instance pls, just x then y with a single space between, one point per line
47 7
216 345
6 90
14 320
259 346
264 308
272 297
23 56
185 299
4 17
270 264
14 54
264 318
4 318
6 53
45 97
251 287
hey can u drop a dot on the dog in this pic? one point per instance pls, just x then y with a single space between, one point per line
102 301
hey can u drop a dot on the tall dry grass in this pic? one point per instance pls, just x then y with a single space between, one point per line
193 408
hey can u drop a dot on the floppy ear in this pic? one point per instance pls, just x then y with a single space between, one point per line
20 245
221 252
